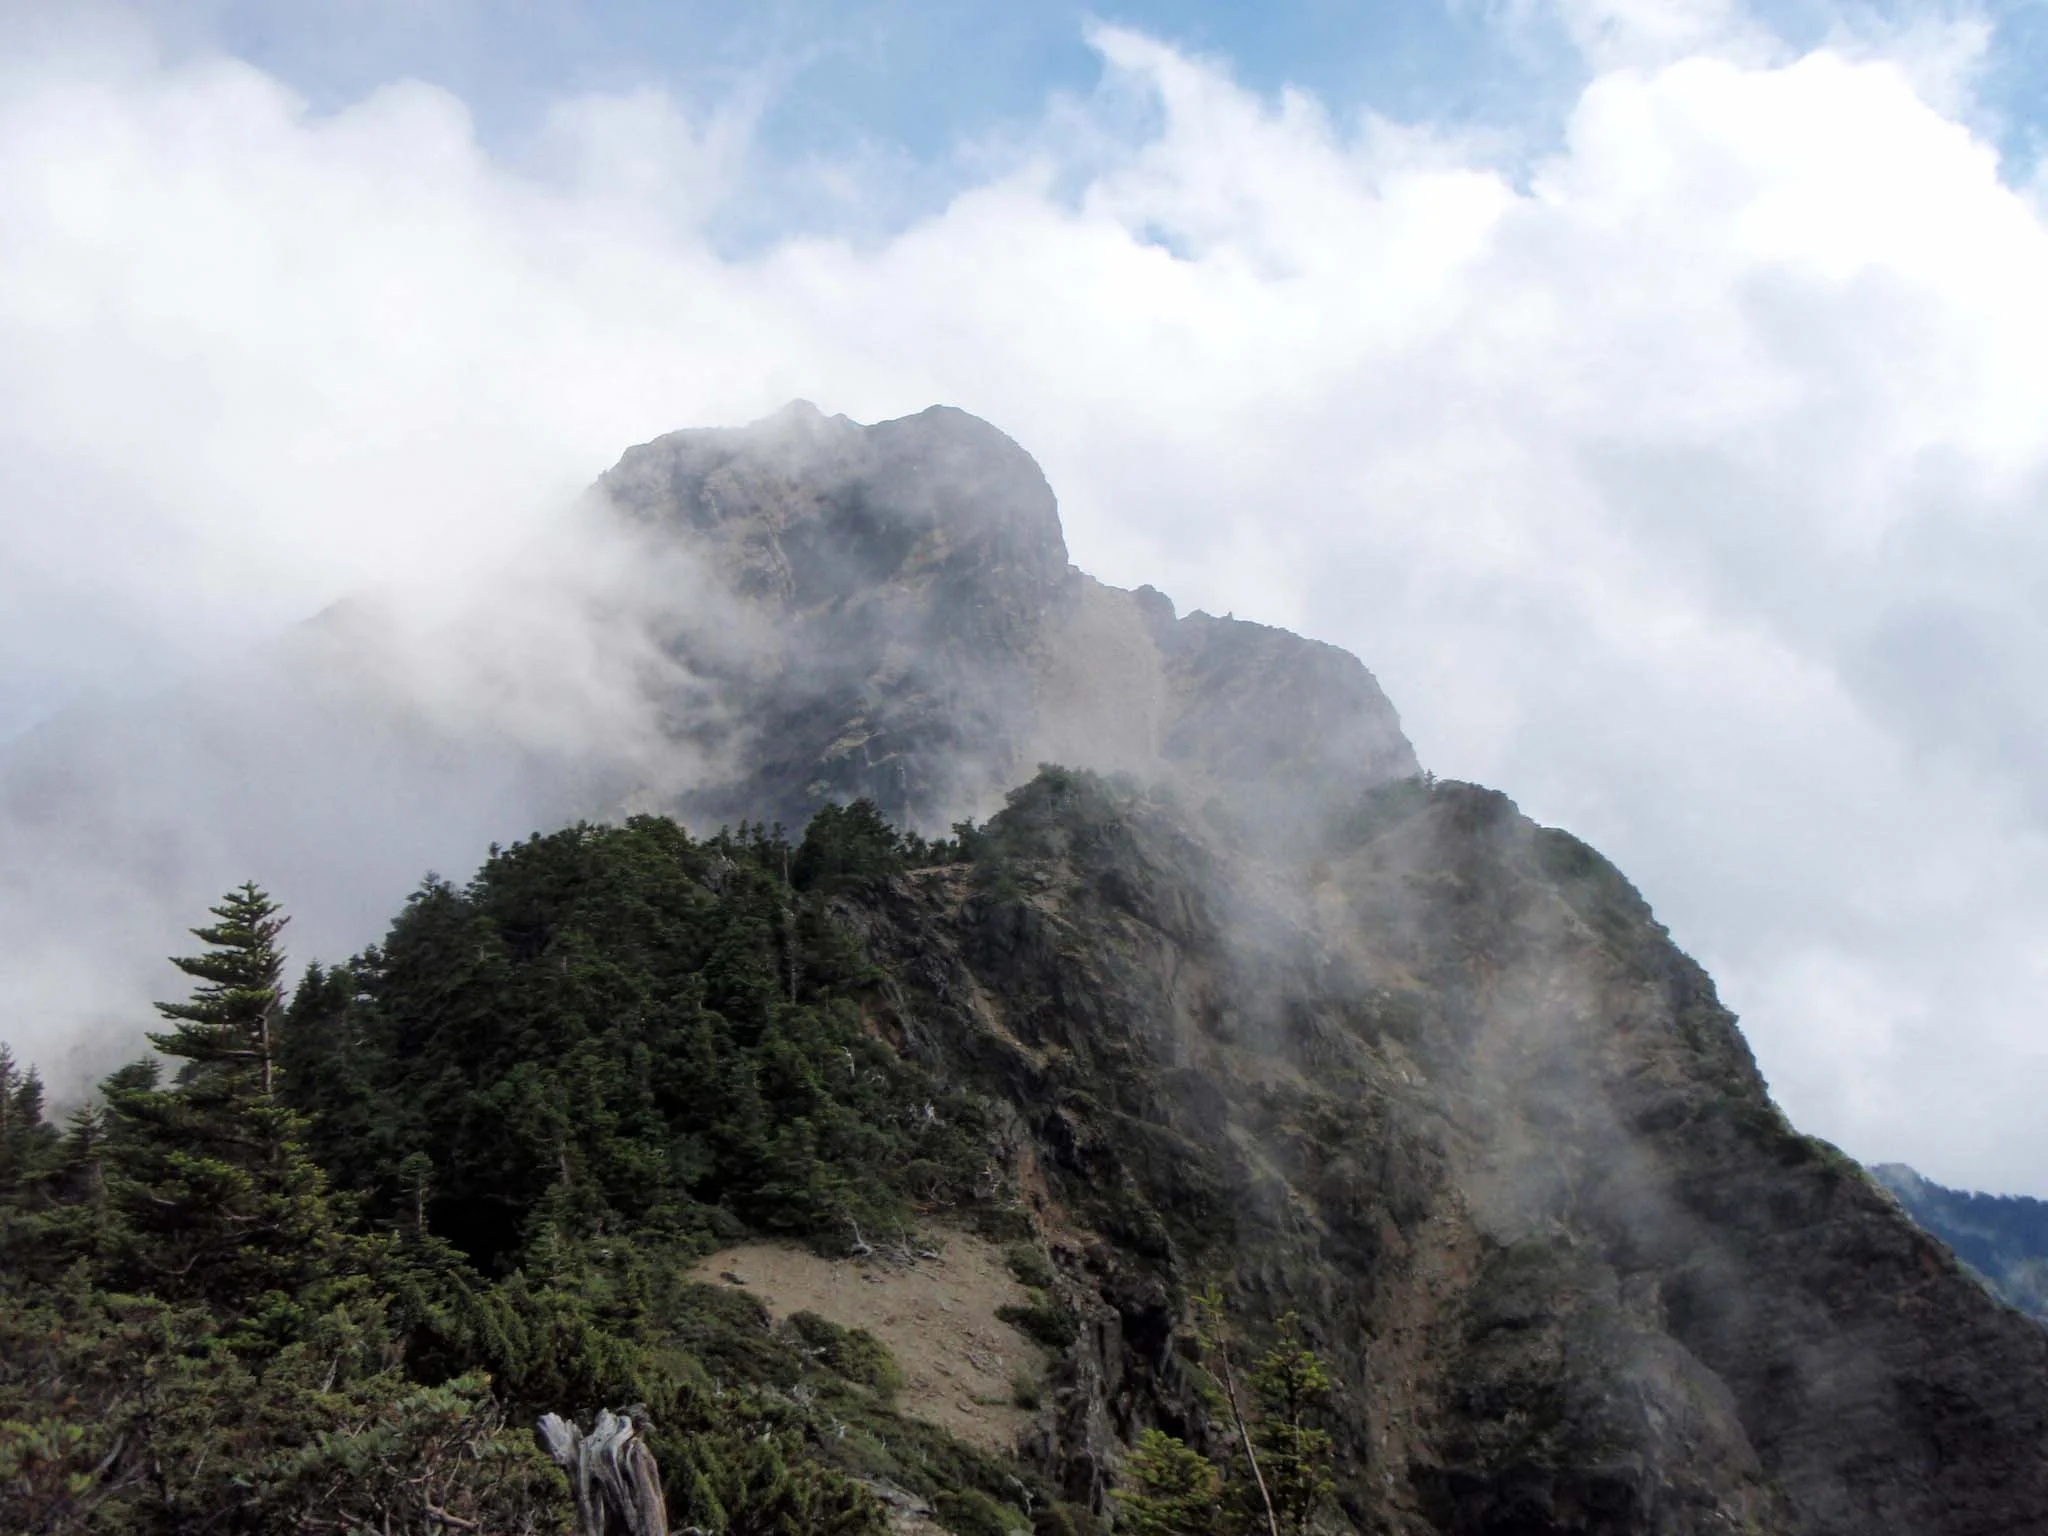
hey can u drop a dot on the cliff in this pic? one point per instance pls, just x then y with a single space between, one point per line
1452 1096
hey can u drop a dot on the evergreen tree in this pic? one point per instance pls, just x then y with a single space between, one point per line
221 1202
226 1033
846 843
31 1164
27 1143
613 1050
321 1070
81 1158
1293 1390
61 1216
1169 1490
1284 1476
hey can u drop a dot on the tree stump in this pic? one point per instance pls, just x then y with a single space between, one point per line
617 1483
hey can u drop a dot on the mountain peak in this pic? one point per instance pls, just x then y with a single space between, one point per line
1253 1009
928 641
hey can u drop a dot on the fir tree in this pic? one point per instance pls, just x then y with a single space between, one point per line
1169 1490
1285 1476
1295 1450
81 1157
31 1162
221 1202
226 1033
27 1143
585 1068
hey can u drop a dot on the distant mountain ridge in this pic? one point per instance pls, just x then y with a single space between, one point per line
2003 1238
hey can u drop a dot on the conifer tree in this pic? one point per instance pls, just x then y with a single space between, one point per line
30 1162
81 1157
1295 1450
1284 1478
226 1033
26 1141
1169 1490
320 1074
222 1204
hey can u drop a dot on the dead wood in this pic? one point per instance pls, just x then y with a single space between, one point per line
617 1483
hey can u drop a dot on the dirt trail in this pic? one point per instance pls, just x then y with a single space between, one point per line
937 1316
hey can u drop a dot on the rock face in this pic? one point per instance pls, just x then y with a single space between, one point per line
1448 1092
915 634
801 611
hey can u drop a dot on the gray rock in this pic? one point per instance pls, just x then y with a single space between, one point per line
920 638
1448 1092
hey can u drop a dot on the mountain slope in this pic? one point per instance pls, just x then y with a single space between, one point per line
1396 1059
1457 1100
1253 1005
2004 1238
738 624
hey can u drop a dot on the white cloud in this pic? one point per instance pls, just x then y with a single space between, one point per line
1690 493
1630 34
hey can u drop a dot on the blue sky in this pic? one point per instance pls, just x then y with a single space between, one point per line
916 81
922 93
1650 391
919 77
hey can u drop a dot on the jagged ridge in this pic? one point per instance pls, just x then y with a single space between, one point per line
1459 1101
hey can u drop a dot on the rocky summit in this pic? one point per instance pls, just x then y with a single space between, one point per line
1139 1099
1273 1011
916 636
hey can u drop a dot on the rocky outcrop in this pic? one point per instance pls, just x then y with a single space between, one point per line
1448 1091
915 634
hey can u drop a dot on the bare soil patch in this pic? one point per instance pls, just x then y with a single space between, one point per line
937 1316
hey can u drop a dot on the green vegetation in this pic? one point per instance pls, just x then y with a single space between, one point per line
1043 1321
1029 1264
193 1334
1292 1389
1169 1490
1026 1390
619 1028
853 1353
1276 1473
323 1274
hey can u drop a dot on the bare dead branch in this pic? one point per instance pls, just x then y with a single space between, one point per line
616 1479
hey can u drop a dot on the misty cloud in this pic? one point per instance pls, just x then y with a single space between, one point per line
393 734
1681 480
